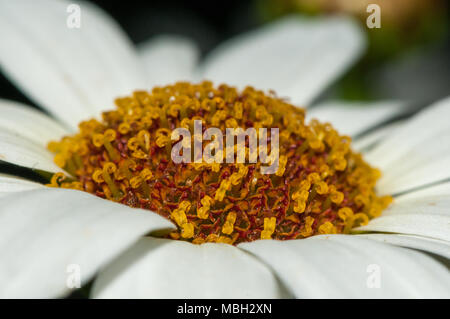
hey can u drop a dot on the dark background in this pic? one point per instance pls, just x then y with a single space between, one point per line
206 22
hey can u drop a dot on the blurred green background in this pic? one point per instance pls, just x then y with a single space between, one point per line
408 28
408 57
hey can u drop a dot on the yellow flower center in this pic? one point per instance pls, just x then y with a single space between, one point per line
320 185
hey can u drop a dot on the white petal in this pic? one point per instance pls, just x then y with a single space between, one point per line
427 216
22 151
45 231
418 153
158 268
29 123
298 57
72 72
353 118
10 184
439 190
169 59
370 139
24 134
439 247
340 266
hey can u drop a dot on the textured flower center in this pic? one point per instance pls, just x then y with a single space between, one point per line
320 185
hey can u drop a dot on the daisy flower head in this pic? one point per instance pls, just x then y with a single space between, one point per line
355 190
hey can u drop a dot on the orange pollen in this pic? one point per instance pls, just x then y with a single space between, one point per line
320 187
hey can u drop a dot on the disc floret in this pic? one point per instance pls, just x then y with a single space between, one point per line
320 187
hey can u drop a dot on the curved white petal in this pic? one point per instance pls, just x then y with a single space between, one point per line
370 139
353 118
434 225
24 135
427 216
31 124
45 232
340 266
168 59
440 190
418 153
72 72
297 56
10 184
19 150
162 268
438 247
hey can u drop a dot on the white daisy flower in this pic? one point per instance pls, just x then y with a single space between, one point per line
75 74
